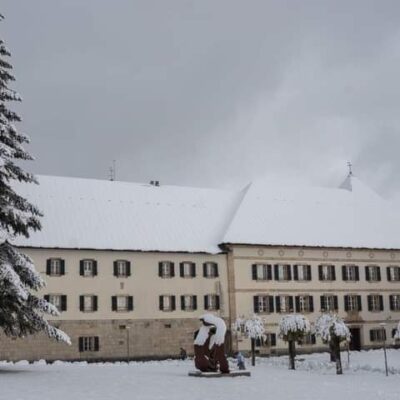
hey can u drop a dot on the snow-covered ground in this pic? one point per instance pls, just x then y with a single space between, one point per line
314 379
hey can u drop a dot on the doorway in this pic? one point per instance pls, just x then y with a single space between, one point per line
355 343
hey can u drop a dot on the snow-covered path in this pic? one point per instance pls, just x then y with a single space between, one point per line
314 379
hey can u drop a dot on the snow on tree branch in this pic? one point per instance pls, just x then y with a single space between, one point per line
252 328
293 327
329 326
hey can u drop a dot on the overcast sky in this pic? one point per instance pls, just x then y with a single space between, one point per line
209 92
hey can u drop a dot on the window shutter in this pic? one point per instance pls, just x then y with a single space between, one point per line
94 267
183 303
216 272
160 269
81 267
193 270
297 301
291 303
217 303
271 303
381 302
311 303
81 344
161 303
63 303
130 303
273 339
95 306
333 269
173 303
379 273
115 268
335 303
369 300
296 272
313 339
62 267
367 274
322 302
205 270
96 343
48 269
359 303
181 269
320 274
344 275
371 335
46 297
357 272
309 277
346 303
81 303
194 302
269 272
391 302
388 274
393 332
172 269
254 272
128 268
278 304
206 302
113 303
276 272
255 304
289 272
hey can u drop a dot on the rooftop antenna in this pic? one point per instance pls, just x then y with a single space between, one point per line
112 172
350 165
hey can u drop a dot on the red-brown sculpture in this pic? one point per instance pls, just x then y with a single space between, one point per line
209 345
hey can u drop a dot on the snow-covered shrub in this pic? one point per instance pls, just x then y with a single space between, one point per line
293 327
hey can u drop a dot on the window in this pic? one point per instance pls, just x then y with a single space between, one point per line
187 269
329 303
88 343
372 273
55 267
350 273
352 302
282 272
167 303
377 335
308 339
188 303
166 269
304 304
284 304
263 304
393 274
211 302
58 300
88 268
394 301
326 272
261 272
375 302
210 270
122 268
88 303
122 303
302 272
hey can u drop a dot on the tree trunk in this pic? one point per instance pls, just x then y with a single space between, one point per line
253 352
292 354
339 370
332 351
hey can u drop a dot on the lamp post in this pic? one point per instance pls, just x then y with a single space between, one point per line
127 342
382 325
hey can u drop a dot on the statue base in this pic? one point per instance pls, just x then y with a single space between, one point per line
232 374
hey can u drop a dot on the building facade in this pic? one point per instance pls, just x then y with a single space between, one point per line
134 283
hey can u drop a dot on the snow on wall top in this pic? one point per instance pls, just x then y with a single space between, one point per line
350 216
100 214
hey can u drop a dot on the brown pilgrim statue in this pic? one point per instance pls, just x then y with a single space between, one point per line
209 345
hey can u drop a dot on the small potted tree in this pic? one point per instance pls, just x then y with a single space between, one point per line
292 329
333 331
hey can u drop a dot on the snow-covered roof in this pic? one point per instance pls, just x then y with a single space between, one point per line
352 216
99 214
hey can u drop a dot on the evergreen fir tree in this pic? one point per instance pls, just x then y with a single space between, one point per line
21 312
